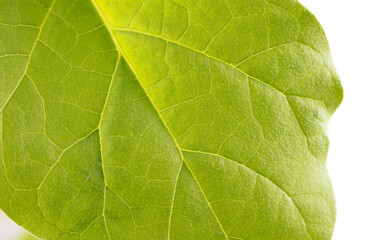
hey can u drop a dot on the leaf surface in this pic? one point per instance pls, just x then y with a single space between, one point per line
166 119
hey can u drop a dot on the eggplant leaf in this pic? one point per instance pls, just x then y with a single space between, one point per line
166 119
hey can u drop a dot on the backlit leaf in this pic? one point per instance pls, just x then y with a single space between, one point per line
165 119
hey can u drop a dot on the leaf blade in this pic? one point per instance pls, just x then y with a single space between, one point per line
164 89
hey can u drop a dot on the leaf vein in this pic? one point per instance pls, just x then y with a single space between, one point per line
258 174
31 52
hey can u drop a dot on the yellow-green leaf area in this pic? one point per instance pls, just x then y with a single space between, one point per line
166 119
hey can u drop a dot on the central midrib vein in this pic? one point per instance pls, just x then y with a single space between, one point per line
97 8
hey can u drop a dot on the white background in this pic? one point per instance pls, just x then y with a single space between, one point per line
360 158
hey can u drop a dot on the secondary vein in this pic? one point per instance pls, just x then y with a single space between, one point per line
31 52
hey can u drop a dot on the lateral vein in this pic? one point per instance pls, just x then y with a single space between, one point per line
31 52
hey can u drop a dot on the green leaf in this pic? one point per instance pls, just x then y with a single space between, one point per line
27 236
166 119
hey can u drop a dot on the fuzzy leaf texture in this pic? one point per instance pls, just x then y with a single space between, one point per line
166 119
